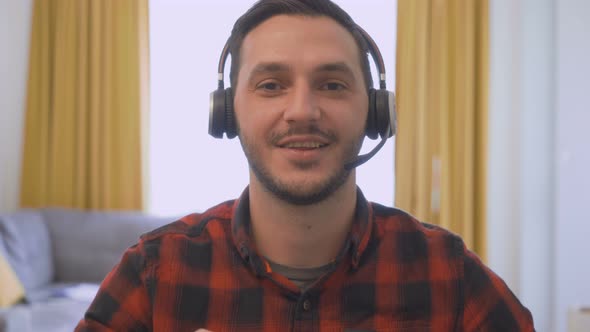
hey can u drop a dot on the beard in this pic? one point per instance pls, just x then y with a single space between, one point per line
302 193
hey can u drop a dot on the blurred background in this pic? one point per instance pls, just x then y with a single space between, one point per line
493 136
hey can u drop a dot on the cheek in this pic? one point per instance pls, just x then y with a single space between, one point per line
355 120
250 127
255 119
242 119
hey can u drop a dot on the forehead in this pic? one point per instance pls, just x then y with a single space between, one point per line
299 40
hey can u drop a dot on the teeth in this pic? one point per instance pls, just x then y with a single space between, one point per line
303 145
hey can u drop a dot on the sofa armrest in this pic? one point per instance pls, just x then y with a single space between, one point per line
16 319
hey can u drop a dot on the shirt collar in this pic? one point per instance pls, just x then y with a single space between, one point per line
356 244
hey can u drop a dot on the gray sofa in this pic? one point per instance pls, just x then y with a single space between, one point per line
61 256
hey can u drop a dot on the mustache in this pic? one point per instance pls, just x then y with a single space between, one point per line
311 129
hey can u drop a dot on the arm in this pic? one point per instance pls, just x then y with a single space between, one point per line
489 303
122 302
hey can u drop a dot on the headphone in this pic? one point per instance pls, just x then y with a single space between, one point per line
381 118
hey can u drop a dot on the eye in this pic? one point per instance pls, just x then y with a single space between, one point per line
333 86
269 86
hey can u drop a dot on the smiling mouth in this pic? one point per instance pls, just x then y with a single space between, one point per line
303 145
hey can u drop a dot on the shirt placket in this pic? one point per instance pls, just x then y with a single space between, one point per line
306 313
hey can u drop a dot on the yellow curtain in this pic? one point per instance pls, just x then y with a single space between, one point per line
442 98
86 104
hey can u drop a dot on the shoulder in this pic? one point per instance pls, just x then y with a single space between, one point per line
195 225
409 232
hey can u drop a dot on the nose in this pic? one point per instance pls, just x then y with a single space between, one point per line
303 106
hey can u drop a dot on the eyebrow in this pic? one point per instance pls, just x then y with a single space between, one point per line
269 67
340 67
277 67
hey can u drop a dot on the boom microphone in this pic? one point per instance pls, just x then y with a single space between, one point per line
365 157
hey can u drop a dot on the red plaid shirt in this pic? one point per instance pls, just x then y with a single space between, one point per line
394 274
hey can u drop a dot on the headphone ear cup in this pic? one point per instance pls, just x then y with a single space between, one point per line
221 114
217 113
371 126
385 113
230 120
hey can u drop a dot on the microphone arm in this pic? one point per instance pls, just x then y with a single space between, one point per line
365 157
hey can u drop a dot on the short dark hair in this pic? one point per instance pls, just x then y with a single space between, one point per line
265 9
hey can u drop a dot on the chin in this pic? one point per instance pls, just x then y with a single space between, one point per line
301 189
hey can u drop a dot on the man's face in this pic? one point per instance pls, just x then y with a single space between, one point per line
301 105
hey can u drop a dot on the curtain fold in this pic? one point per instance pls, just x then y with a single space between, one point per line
86 105
442 98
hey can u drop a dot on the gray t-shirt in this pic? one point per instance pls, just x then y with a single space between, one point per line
302 277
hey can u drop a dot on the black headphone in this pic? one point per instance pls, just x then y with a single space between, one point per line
381 119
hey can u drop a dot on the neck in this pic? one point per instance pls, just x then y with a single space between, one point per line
301 236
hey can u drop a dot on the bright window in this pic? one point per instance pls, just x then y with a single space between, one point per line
189 171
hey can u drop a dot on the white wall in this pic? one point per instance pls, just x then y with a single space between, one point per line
15 25
539 154
572 197
521 181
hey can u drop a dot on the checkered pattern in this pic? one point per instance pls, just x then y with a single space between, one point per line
393 274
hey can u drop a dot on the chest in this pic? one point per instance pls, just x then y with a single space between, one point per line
379 296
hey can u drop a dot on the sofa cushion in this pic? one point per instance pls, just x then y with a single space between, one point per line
16 319
59 290
86 245
27 247
59 315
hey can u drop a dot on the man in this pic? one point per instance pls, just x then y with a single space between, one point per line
301 249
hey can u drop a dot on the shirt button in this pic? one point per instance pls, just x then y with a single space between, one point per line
306 305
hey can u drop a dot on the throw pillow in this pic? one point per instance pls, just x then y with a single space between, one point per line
11 289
